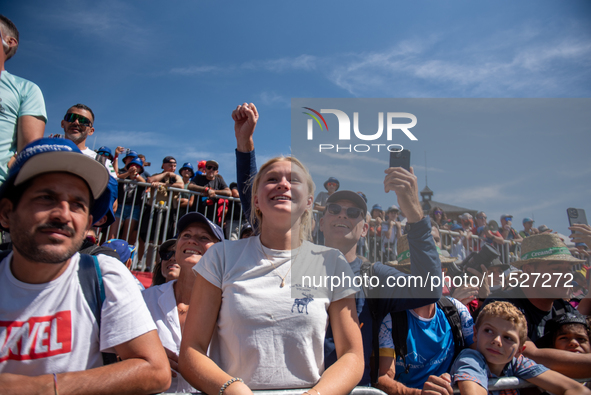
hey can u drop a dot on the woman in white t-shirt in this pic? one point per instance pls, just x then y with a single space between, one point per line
263 324
169 303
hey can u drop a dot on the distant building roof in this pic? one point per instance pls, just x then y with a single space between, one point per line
448 208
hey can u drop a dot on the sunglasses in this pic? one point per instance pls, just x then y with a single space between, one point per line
482 217
438 212
71 117
508 218
166 255
352 212
106 155
211 168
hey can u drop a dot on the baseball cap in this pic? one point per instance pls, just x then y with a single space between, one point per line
393 208
124 250
166 245
168 159
49 155
544 228
212 162
376 207
351 196
362 196
192 218
201 164
527 219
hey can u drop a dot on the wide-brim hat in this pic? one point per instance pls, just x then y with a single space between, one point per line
138 162
546 247
188 166
195 217
130 154
350 196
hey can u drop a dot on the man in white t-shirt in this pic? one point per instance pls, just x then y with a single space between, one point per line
49 334
78 126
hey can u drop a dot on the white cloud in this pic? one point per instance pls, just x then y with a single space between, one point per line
195 70
272 98
302 62
128 139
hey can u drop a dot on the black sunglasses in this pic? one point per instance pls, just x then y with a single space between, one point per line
71 117
352 212
166 255
211 168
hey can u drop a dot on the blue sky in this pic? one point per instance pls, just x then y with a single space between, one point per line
163 78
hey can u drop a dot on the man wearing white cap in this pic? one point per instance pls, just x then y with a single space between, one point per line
61 313
539 293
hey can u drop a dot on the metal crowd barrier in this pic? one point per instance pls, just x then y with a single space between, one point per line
503 383
165 217
475 243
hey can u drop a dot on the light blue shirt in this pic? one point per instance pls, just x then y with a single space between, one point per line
18 97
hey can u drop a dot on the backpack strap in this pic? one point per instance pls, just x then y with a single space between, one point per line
367 271
455 322
93 288
399 335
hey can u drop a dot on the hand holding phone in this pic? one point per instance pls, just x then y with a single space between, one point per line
400 159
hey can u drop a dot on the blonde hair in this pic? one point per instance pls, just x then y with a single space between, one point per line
506 311
256 216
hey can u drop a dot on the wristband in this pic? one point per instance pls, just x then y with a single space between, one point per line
207 189
227 384
55 384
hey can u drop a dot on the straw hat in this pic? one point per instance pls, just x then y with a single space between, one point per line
545 247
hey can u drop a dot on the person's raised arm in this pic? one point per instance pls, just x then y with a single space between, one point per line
424 257
144 369
194 364
245 119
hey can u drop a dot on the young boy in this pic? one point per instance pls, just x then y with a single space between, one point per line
499 333
568 332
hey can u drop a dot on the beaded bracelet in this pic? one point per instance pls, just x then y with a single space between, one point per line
227 384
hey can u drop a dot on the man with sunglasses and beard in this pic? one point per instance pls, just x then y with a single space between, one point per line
22 108
78 126
210 184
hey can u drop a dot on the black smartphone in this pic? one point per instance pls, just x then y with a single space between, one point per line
576 216
400 159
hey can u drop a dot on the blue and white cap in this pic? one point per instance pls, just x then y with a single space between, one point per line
49 155
191 218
